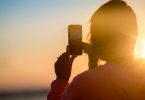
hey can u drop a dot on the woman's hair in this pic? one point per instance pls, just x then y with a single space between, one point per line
113 32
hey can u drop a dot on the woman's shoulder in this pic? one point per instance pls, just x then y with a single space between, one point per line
91 75
99 72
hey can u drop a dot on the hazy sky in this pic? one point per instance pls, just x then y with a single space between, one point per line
33 33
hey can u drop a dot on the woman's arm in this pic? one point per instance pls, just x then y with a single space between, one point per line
57 89
63 68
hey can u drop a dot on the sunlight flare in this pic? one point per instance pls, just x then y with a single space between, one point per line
140 48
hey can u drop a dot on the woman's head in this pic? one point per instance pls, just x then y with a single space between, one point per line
113 31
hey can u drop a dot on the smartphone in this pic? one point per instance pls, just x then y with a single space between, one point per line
75 39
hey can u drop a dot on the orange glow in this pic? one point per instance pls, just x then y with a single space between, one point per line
31 42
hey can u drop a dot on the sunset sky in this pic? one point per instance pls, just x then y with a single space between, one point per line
33 33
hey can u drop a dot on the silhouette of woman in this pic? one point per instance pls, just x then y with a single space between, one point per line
113 34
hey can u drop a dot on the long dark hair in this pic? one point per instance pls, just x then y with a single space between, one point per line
113 32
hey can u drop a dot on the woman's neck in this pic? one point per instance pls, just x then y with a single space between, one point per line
124 60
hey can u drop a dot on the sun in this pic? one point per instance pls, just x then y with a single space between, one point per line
140 48
143 50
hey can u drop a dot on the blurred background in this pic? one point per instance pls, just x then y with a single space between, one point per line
33 33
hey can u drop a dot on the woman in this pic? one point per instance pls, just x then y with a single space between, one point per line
113 34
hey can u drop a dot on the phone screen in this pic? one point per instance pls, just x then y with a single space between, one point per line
75 39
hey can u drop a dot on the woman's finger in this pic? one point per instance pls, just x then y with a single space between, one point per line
72 58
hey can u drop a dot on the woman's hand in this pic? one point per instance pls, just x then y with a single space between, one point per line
63 66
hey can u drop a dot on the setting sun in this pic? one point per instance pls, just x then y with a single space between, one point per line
140 49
